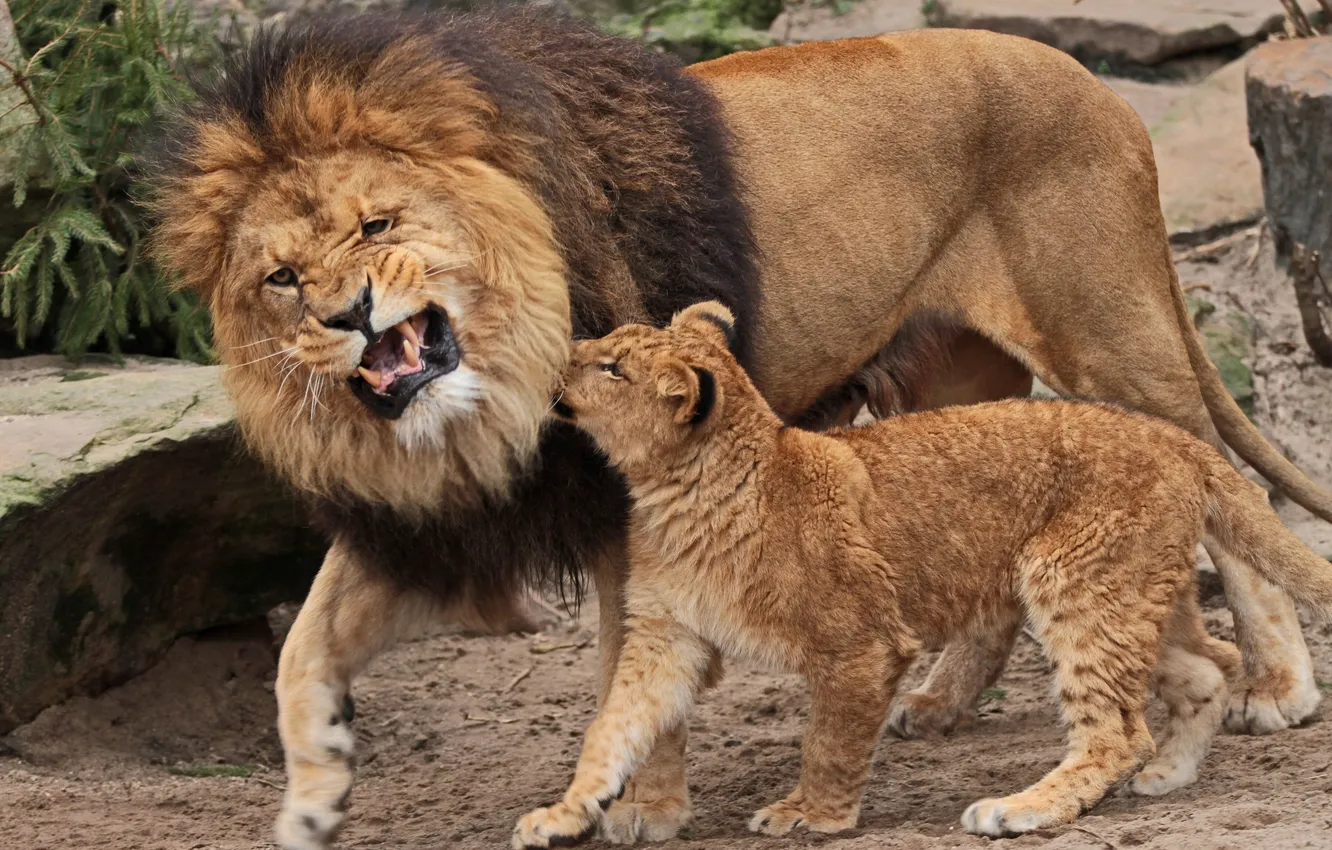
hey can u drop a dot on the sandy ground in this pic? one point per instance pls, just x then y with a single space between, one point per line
460 735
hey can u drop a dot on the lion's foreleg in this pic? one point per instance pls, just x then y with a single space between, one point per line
349 617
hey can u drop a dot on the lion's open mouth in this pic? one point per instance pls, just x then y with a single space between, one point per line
403 359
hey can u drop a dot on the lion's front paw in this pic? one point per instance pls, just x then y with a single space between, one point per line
558 826
1256 710
782 817
655 820
319 744
921 715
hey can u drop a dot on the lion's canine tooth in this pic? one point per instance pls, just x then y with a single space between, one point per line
408 331
371 376
409 354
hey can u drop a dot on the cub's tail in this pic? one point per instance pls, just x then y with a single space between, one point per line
1240 520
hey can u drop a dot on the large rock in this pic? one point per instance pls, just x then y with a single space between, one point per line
1289 91
1144 32
810 22
128 516
1208 174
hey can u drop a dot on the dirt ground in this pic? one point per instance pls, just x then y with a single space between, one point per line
460 735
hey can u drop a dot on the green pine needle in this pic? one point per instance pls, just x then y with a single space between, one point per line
74 276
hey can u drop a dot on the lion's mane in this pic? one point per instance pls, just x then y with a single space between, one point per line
626 156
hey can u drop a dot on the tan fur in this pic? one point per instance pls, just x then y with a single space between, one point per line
995 181
463 233
841 556
986 178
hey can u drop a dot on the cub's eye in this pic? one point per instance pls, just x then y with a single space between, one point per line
375 226
612 369
282 277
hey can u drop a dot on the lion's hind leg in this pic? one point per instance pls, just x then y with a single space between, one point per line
1193 678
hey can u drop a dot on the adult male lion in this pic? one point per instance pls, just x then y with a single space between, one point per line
398 222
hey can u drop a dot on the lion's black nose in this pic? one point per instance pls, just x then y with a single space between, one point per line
356 317
561 409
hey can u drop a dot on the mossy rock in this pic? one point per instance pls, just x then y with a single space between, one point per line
1229 341
128 517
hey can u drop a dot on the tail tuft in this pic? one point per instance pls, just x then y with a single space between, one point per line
1241 521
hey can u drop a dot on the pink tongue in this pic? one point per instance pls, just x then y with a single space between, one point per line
385 357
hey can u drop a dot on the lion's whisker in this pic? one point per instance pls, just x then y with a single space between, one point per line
457 265
287 351
291 370
309 379
251 344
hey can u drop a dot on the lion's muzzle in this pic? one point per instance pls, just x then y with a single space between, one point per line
401 361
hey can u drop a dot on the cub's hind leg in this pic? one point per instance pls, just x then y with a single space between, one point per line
947 700
849 700
1100 621
1194 678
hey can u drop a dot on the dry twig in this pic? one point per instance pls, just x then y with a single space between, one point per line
1206 253
516 679
1298 22
543 650
1101 838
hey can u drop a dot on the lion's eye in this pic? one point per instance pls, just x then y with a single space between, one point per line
375 226
282 277
612 369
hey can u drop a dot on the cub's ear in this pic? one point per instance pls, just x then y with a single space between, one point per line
694 390
711 318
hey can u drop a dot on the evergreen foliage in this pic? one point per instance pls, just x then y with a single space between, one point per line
74 276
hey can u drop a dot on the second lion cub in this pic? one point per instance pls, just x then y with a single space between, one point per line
841 555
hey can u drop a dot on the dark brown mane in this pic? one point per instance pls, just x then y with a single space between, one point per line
630 160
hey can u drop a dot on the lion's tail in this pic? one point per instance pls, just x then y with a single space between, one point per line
1236 429
1239 518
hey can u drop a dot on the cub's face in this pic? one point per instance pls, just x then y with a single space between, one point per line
641 392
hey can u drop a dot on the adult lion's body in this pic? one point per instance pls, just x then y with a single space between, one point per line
398 223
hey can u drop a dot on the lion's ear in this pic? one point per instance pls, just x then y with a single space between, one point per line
693 389
713 319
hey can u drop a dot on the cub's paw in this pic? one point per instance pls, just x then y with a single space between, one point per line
1262 710
921 715
557 826
780 818
656 820
1008 816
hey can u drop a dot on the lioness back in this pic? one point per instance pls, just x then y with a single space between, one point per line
922 154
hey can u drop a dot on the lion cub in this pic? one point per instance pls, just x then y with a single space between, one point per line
841 555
